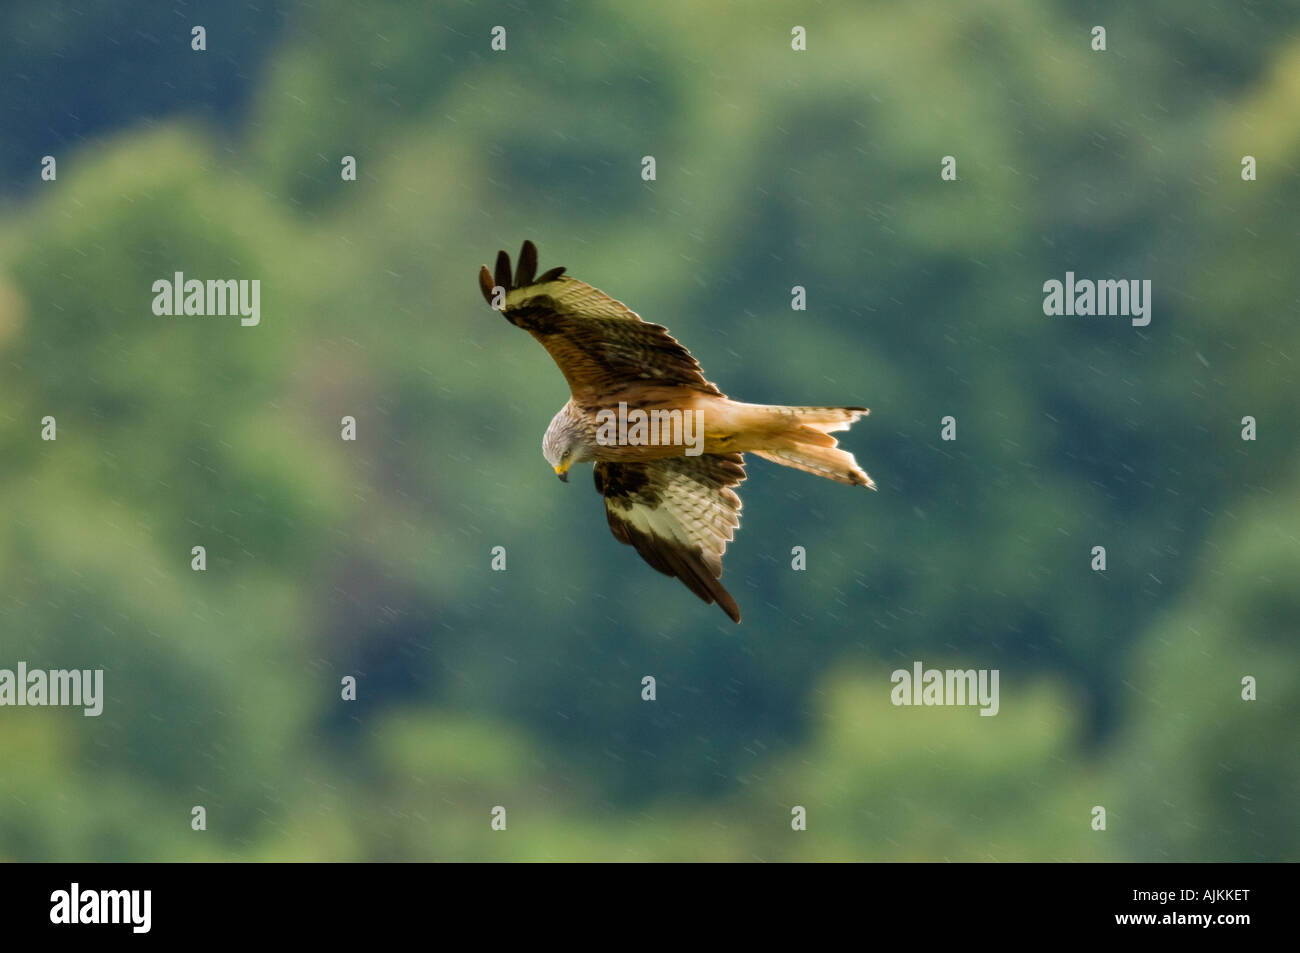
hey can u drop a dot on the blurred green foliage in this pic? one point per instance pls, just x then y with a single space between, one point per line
522 688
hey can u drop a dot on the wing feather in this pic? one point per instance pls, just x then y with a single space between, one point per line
527 265
502 270
679 513
600 344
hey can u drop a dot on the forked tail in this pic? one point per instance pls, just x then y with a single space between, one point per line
801 438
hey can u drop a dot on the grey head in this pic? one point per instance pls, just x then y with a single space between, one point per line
564 443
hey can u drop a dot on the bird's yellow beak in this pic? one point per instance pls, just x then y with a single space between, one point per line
562 471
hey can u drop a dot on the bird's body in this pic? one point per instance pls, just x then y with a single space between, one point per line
667 444
729 426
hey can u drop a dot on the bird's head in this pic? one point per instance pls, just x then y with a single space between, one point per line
562 445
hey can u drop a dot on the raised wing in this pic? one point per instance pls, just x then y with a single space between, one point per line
600 345
679 513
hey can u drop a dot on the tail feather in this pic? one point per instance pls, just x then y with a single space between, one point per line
803 441
823 419
830 462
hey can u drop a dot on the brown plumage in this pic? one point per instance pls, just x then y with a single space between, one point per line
677 509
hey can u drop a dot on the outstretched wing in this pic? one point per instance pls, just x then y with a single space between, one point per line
679 513
600 344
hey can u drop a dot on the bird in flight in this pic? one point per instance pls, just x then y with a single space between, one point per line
666 443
